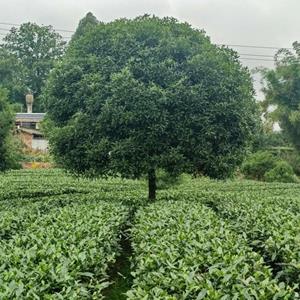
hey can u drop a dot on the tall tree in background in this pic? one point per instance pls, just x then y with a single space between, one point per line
36 49
85 24
283 90
133 96
12 75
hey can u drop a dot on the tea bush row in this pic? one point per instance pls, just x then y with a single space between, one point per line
63 254
183 250
271 225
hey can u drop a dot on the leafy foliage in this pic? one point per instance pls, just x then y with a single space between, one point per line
31 51
132 96
204 238
282 172
85 24
165 180
12 76
293 158
184 251
257 164
69 249
56 247
8 153
263 165
270 223
268 140
283 90
6 124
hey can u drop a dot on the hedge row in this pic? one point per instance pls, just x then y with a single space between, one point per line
271 225
63 254
182 250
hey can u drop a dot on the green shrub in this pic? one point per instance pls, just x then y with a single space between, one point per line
267 140
37 156
293 158
9 151
13 154
282 172
165 180
258 164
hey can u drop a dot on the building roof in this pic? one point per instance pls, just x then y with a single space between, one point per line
30 131
30 117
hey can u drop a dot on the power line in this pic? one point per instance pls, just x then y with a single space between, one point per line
8 30
228 45
256 59
249 56
13 24
255 46
258 55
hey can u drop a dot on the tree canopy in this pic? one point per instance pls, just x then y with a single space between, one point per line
26 58
85 24
12 75
283 90
132 96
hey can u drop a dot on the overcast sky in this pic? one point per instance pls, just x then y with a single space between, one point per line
274 23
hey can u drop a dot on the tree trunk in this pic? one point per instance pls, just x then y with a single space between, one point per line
152 184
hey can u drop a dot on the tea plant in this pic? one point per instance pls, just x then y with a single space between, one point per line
183 250
64 254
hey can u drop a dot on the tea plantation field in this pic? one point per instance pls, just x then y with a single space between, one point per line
63 237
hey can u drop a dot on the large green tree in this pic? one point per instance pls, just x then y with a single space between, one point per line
282 89
12 75
35 49
132 96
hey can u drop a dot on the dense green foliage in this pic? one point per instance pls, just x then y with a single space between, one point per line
184 251
203 238
12 75
85 24
26 58
270 223
263 165
132 96
73 244
293 158
283 90
8 153
6 119
270 140
282 172
257 164
58 239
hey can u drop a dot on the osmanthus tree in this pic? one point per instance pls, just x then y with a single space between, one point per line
132 96
282 89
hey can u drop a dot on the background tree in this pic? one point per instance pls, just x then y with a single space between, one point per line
133 96
85 24
12 76
36 48
283 90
